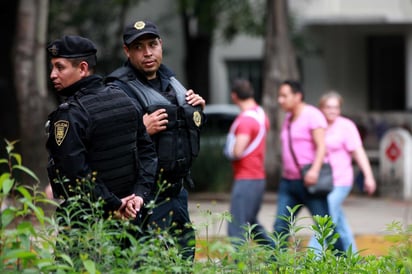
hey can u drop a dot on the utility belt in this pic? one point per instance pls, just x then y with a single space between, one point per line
169 189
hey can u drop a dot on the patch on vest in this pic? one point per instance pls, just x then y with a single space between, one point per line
197 118
60 130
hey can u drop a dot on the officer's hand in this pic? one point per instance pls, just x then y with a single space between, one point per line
155 121
124 210
49 192
195 99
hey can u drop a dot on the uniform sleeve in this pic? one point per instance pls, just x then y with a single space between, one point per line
147 156
147 159
67 144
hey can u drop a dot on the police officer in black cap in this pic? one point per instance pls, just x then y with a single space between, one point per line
173 117
96 133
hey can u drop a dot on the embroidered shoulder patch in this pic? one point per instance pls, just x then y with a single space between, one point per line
60 130
197 118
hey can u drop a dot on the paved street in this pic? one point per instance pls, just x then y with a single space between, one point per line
368 216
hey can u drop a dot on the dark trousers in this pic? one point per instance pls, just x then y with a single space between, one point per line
173 215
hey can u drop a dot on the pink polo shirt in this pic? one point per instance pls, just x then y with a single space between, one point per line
342 138
303 145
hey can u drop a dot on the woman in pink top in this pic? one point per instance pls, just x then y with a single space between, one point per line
343 142
306 125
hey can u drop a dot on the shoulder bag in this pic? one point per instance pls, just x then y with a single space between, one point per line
324 184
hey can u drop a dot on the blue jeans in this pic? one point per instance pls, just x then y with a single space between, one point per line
335 200
246 199
292 193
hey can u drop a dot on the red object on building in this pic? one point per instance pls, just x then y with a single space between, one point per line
393 152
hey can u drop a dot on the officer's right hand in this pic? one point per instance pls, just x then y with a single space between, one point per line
155 121
125 210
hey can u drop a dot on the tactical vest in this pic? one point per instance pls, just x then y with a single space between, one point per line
112 144
179 144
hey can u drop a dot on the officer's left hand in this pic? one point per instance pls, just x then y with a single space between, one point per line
195 99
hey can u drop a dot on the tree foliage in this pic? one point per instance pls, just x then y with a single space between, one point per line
102 21
205 21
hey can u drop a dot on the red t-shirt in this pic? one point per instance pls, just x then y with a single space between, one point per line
251 166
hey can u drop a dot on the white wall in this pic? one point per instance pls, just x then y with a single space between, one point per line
243 47
363 10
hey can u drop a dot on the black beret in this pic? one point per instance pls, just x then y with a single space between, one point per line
71 46
137 29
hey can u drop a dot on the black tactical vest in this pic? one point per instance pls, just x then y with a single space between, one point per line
112 139
178 145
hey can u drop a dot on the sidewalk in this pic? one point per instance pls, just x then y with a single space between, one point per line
368 216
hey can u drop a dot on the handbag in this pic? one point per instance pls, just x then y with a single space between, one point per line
324 185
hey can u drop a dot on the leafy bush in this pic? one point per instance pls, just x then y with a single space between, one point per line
88 242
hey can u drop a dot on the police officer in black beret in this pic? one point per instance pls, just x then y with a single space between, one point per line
96 134
173 117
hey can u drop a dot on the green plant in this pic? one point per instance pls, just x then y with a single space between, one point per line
24 245
80 238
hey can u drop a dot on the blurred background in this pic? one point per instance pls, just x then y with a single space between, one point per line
361 48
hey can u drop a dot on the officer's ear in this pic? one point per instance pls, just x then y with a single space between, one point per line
84 69
126 50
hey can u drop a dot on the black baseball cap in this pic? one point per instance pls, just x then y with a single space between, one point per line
136 29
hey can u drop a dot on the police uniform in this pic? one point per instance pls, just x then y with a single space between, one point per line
176 147
97 132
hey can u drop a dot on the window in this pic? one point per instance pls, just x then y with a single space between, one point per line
248 69
386 72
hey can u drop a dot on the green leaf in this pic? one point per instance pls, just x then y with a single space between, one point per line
6 183
17 157
90 267
4 161
19 253
26 228
38 211
26 194
27 171
7 216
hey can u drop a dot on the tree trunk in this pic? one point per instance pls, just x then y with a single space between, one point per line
279 65
198 43
8 104
31 86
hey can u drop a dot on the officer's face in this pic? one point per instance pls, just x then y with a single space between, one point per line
63 74
146 55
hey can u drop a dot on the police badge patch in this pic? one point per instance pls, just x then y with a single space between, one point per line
197 118
60 130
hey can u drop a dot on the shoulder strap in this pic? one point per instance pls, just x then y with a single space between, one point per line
291 147
259 116
295 160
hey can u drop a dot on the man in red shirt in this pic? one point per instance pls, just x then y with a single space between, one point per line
245 147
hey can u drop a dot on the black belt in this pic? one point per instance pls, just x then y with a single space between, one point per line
170 189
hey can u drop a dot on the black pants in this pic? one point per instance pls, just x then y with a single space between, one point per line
177 222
